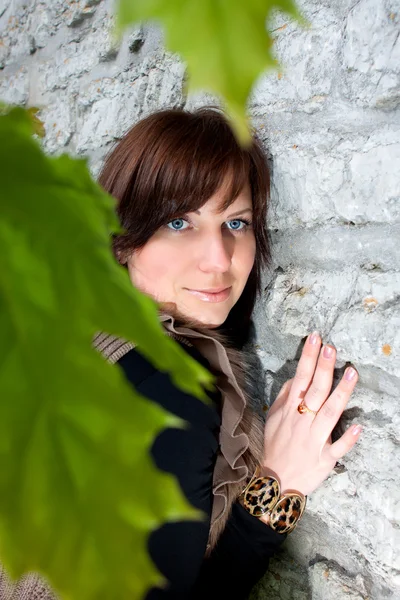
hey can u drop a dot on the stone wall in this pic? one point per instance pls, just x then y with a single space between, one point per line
331 122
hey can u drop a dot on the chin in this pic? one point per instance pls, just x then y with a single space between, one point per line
210 321
211 325
200 314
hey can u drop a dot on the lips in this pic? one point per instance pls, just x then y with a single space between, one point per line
212 290
212 294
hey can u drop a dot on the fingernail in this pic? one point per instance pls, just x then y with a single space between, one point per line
313 339
357 429
350 374
328 351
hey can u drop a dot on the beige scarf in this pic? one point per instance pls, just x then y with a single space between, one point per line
242 431
241 435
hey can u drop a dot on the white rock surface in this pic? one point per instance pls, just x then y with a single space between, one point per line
330 118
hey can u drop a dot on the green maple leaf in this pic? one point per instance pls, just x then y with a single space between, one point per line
78 491
225 43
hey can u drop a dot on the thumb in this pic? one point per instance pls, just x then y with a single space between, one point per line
281 397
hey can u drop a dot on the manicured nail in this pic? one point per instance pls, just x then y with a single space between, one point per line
314 337
350 374
356 429
328 351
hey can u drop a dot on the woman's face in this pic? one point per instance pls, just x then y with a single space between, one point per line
200 261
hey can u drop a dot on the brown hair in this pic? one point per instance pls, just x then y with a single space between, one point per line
170 163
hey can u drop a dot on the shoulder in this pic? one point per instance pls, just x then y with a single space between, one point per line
130 359
157 385
138 368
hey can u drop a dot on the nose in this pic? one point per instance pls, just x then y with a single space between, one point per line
216 254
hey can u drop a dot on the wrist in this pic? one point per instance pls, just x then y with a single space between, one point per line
284 486
266 519
263 498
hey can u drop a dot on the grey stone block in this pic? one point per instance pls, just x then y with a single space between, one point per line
58 119
330 121
371 54
285 580
328 583
106 109
353 182
369 247
15 88
308 61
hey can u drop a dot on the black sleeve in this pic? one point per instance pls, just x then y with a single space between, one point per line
239 559
177 549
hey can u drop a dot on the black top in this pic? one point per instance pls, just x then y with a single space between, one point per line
242 553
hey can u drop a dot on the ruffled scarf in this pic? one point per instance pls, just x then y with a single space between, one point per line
241 435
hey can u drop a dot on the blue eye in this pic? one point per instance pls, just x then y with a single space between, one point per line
177 224
238 225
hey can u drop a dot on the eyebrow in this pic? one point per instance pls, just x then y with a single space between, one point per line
235 214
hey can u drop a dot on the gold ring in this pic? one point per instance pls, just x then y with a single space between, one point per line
303 408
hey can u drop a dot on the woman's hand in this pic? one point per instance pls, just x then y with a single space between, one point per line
298 447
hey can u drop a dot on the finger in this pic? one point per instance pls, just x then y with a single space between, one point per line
305 370
345 443
321 383
282 395
329 413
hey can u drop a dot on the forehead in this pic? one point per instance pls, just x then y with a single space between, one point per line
221 203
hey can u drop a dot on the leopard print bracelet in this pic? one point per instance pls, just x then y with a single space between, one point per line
262 496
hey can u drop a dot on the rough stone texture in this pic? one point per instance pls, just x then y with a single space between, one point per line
331 122
287 580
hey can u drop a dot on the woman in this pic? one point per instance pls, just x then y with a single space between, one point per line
193 206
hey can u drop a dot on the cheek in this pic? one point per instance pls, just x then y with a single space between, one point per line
246 256
149 266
